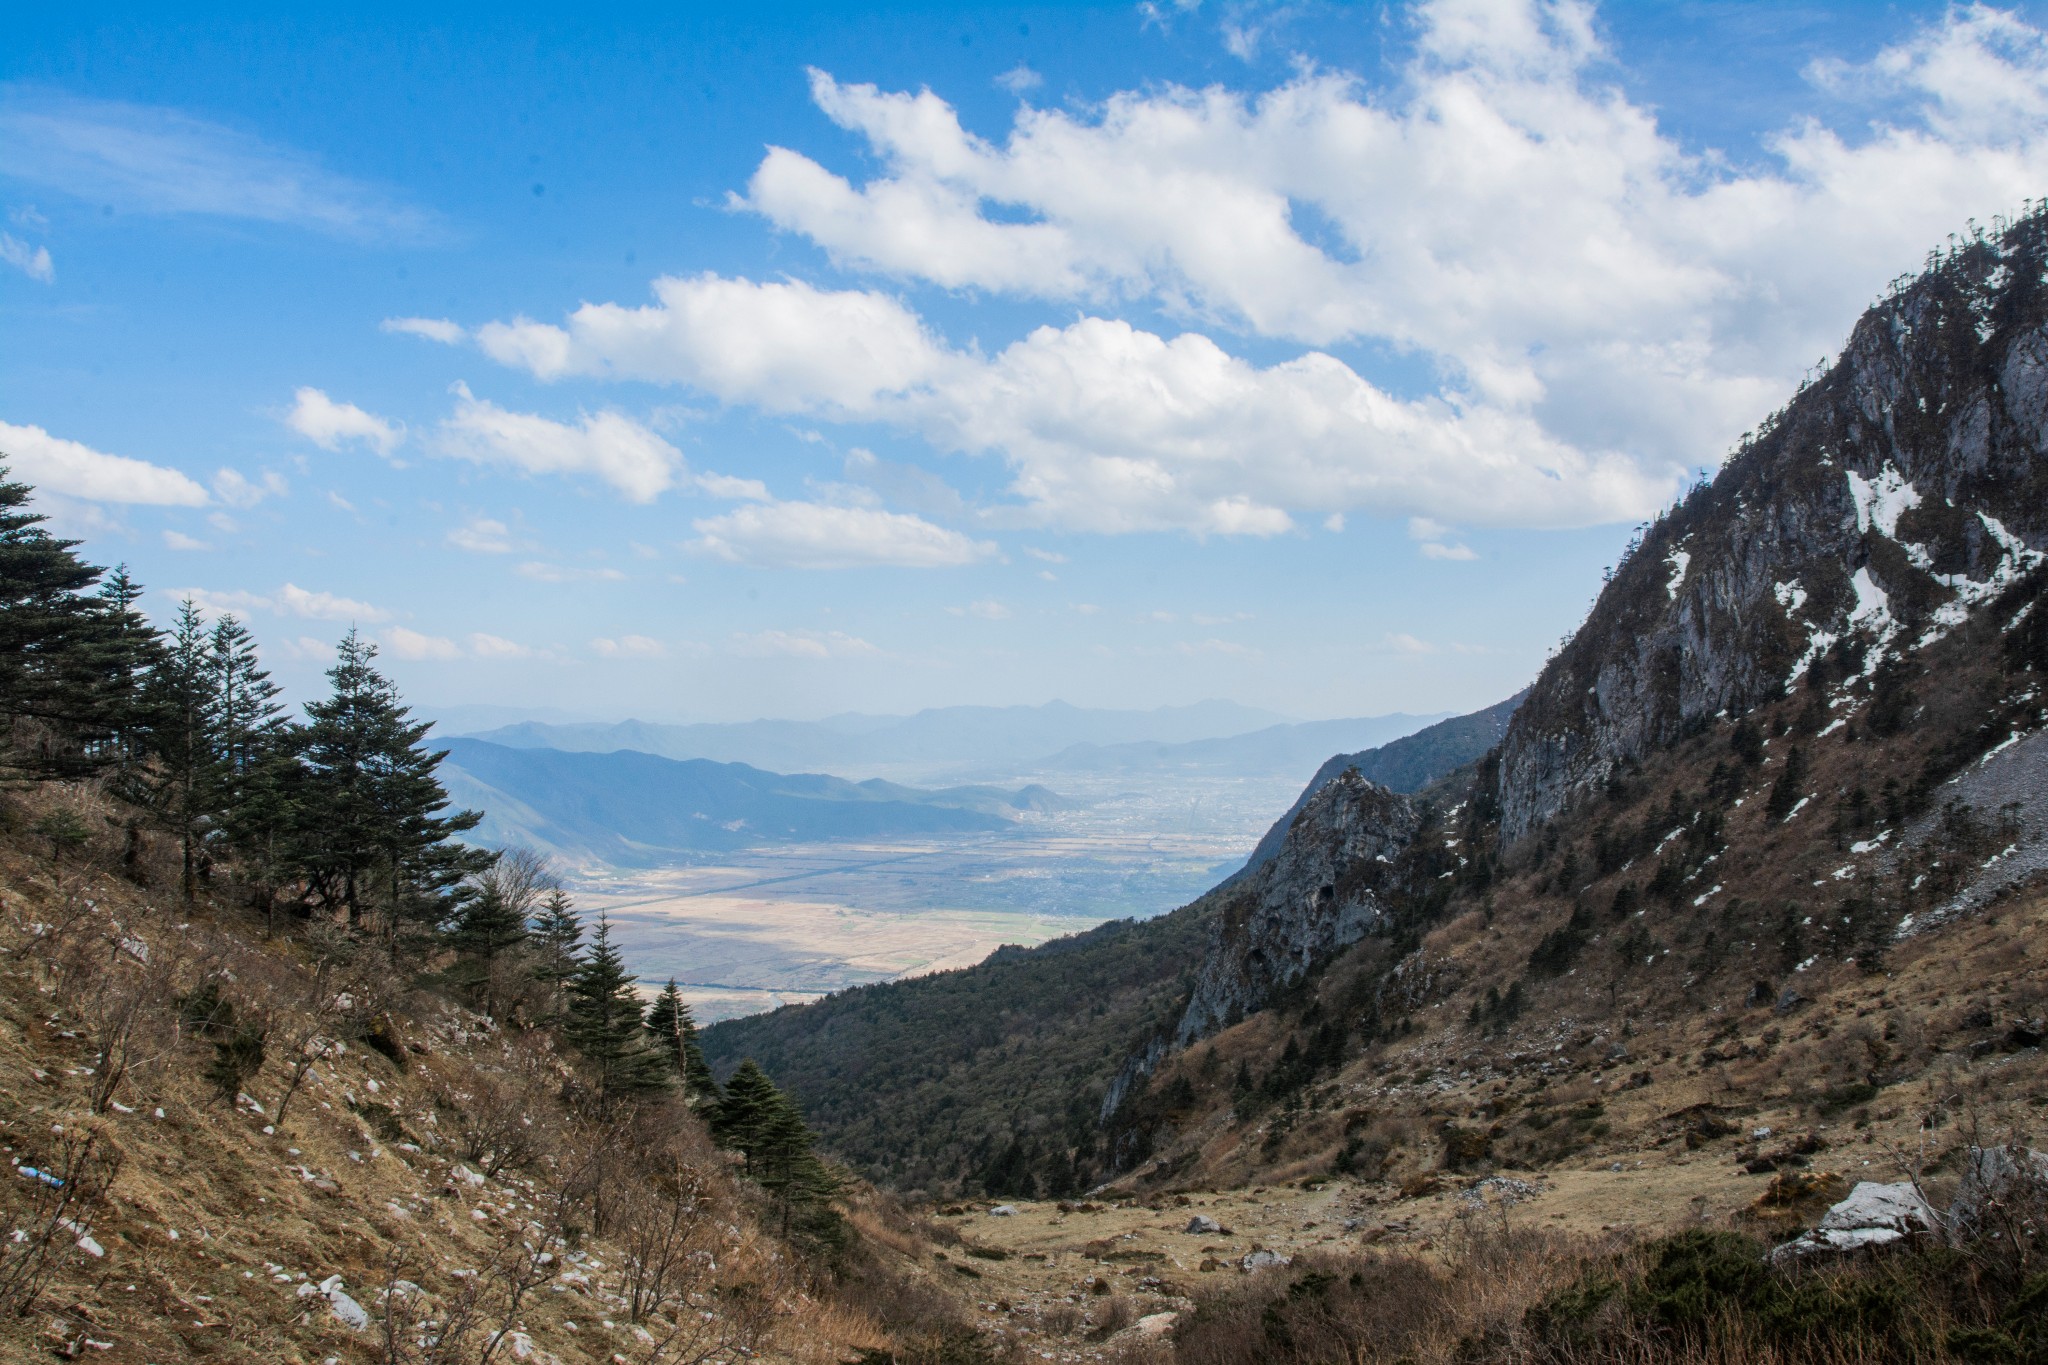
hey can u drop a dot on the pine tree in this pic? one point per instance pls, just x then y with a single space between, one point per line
557 939
783 1163
182 706
604 1024
675 1034
740 1120
493 922
70 659
260 773
372 809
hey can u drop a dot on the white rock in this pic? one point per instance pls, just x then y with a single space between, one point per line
1262 1260
1897 1208
1156 1324
1203 1223
1873 1215
1003 1211
351 1314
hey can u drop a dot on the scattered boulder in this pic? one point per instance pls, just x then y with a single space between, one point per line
1262 1259
1203 1223
1873 1215
1003 1211
1789 1001
1156 1324
347 1311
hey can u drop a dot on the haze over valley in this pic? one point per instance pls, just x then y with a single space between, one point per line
755 889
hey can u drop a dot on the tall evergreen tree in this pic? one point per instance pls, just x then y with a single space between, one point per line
557 938
605 1025
675 1034
70 659
258 761
741 1119
182 706
493 922
373 805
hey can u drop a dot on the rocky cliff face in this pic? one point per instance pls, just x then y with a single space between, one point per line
1323 891
1890 498
1901 490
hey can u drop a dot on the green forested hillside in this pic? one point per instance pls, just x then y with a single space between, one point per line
983 1079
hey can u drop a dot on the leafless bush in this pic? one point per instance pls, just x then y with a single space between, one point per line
48 1210
1113 1315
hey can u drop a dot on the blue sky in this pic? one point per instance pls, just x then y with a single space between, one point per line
784 360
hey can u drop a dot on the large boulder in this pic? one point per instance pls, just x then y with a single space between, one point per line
1873 1215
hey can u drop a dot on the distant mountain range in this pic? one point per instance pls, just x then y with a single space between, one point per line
1216 737
636 809
1275 751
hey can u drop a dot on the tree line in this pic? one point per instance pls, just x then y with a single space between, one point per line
338 819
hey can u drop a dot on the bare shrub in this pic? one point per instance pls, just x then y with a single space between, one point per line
47 1212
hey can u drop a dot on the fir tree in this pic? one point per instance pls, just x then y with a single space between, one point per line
260 773
604 1024
740 1120
372 808
557 939
493 921
182 703
783 1163
70 659
675 1034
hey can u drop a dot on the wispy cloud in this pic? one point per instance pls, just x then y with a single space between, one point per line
149 159
540 571
432 329
629 647
236 489
33 262
802 644
482 536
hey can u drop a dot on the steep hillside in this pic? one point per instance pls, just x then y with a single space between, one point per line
632 809
234 1147
1800 726
976 1079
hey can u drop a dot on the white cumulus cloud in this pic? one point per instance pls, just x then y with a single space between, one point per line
324 606
411 644
782 346
56 465
605 445
816 535
331 425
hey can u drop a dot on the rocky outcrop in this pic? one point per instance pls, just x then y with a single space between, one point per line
1903 488
1404 765
1323 891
